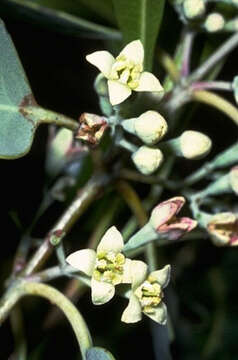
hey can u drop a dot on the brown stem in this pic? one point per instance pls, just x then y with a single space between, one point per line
82 201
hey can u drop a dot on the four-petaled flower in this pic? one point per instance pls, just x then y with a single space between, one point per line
164 220
223 227
146 294
125 73
107 266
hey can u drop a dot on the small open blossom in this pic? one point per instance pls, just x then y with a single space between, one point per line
223 228
125 72
165 221
146 294
107 266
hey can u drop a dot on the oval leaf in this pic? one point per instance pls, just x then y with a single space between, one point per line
16 130
140 19
98 353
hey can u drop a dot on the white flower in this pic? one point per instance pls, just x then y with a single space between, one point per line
125 73
147 294
107 266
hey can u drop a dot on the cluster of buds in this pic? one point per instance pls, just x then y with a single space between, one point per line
150 127
108 266
196 12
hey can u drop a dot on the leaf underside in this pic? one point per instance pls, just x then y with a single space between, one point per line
98 353
16 131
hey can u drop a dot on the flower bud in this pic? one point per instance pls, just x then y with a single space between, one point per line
214 22
147 160
165 222
234 179
59 149
150 127
193 8
223 228
194 145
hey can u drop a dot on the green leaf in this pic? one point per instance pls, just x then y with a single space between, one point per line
102 8
16 130
140 19
60 18
98 353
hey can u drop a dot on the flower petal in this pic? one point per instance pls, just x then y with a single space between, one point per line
162 276
111 241
160 314
132 312
117 92
148 82
102 292
83 260
134 51
138 273
103 60
126 279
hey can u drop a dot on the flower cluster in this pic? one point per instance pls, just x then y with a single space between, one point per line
124 74
109 267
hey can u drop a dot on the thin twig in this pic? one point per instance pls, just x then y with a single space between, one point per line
68 219
218 55
218 102
187 51
216 85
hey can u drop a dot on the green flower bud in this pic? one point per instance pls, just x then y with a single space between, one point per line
214 22
58 152
194 145
193 8
147 159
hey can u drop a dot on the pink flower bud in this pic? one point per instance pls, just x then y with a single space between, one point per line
164 220
91 128
224 229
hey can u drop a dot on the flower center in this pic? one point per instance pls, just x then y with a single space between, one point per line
150 295
126 71
109 267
